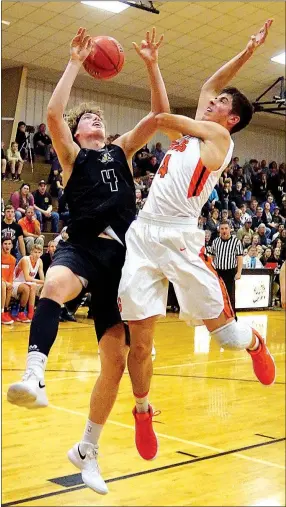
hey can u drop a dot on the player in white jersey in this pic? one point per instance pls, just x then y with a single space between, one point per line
25 274
164 243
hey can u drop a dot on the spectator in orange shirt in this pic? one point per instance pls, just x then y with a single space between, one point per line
7 270
31 230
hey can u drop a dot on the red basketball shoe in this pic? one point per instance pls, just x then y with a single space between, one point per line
263 362
145 437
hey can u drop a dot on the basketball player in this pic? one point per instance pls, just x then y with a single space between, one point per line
100 193
25 277
164 243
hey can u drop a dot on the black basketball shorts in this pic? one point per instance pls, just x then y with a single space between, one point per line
100 264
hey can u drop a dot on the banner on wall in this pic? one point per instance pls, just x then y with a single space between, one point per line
253 291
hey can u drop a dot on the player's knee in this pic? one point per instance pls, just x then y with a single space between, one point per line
112 366
140 351
53 288
234 335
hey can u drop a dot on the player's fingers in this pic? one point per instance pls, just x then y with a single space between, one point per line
153 35
144 43
148 36
136 47
85 41
160 41
82 35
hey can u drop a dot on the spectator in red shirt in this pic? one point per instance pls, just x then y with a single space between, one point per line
7 270
31 230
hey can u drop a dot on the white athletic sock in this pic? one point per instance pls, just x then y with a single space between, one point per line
256 345
91 434
37 361
142 404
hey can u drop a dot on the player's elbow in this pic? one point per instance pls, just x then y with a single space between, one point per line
162 120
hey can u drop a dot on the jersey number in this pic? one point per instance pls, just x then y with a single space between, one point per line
109 177
163 169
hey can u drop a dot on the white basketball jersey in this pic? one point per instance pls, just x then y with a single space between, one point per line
19 274
182 184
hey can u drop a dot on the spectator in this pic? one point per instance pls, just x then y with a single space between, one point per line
25 274
261 230
277 219
31 230
236 196
251 210
8 263
3 162
55 181
267 254
43 203
266 215
21 199
246 241
208 240
139 201
258 218
255 239
246 229
225 194
43 143
278 233
260 251
283 207
264 167
13 231
141 159
47 257
213 223
15 161
249 170
201 222
260 187
238 176
236 221
235 164
270 200
244 215
138 183
153 165
251 260
213 200
21 139
158 152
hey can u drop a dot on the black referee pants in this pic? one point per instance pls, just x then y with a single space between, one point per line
227 276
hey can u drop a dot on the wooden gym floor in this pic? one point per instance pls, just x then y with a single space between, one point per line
222 438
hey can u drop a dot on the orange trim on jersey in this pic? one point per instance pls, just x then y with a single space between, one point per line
227 308
198 180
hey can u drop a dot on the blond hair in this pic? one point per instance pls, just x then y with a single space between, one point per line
74 115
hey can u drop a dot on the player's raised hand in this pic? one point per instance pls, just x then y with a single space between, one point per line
258 39
149 47
80 46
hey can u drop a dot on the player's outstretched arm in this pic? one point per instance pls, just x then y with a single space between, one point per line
65 147
215 138
146 128
224 75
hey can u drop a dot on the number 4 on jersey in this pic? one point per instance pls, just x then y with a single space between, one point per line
109 177
164 167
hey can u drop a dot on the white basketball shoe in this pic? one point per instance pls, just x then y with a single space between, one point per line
30 392
83 455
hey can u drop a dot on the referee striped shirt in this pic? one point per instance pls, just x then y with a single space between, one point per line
225 252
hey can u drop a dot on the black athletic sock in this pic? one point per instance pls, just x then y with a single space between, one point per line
22 309
44 326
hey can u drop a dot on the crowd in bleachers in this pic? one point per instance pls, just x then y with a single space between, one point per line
252 198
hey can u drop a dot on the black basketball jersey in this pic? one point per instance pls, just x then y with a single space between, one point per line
100 193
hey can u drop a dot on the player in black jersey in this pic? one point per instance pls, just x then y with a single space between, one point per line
101 197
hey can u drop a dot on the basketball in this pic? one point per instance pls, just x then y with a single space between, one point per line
106 58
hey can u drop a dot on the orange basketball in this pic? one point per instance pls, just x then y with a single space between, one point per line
106 58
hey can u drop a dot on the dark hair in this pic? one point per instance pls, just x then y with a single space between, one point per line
25 185
240 106
21 123
224 222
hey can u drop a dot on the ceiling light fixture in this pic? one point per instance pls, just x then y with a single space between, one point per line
114 7
5 22
279 58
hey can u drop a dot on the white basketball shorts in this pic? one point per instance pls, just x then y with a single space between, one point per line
161 248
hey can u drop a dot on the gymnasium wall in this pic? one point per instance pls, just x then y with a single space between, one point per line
121 114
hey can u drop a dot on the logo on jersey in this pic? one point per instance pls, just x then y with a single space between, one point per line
180 144
106 158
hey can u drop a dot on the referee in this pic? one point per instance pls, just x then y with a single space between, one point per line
227 254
